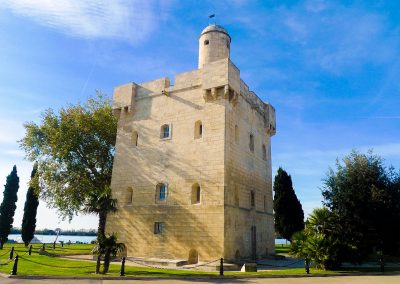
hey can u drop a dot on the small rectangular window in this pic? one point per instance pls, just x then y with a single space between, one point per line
252 199
166 131
251 143
198 129
158 228
163 192
198 195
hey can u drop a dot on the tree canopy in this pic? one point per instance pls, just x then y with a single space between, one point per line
289 215
30 209
74 149
8 206
364 195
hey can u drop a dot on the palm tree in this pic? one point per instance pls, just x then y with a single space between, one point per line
320 220
101 204
107 246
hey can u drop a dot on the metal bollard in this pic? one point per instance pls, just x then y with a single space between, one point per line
15 266
30 250
221 267
382 264
307 265
122 271
12 253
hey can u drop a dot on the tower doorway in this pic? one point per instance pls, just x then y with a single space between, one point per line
193 257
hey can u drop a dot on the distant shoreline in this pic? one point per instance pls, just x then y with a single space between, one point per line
48 232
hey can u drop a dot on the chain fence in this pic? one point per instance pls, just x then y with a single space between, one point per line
55 266
175 268
142 263
5 253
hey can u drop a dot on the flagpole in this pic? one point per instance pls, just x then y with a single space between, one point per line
210 17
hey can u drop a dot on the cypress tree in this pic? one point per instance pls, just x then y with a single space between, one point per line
30 209
7 207
289 215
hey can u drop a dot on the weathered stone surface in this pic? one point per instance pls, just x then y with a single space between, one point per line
232 215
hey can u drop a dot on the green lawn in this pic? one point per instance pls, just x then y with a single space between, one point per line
52 265
72 249
282 249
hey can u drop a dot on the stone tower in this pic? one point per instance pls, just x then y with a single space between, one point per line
192 168
214 44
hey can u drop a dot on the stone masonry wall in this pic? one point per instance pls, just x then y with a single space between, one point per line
180 162
247 171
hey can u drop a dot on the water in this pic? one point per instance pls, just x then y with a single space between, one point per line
51 239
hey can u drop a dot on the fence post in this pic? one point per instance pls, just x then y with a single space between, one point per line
221 267
30 250
307 265
12 253
122 271
15 266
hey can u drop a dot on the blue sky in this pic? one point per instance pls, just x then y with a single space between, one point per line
330 68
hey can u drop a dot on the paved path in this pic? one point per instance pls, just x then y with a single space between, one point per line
312 280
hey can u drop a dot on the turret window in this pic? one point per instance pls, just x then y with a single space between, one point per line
206 42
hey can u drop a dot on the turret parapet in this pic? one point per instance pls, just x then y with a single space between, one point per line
124 98
270 119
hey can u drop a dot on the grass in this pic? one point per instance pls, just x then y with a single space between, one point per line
282 249
52 265
72 249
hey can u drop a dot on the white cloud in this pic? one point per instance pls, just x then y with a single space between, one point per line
127 20
339 38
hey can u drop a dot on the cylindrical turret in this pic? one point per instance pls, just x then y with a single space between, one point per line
214 44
